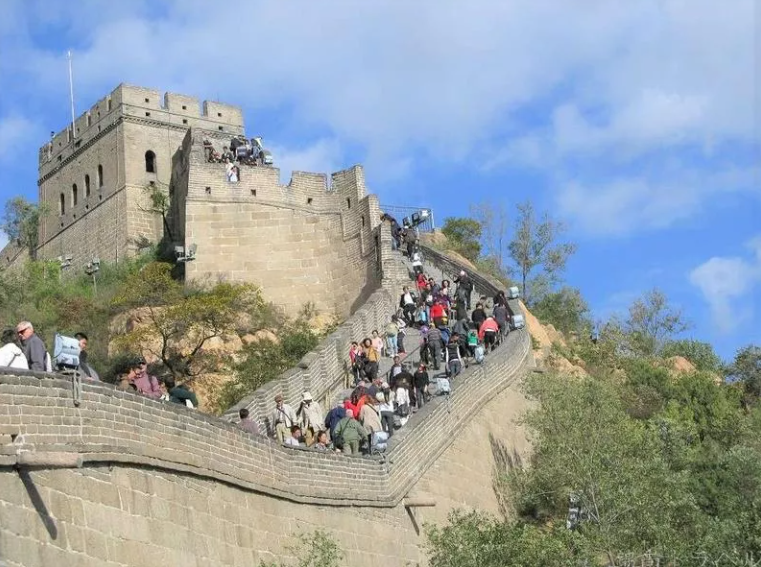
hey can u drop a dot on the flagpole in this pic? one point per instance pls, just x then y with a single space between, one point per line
71 97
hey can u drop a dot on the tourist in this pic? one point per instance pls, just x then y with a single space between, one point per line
11 356
294 439
349 434
392 332
36 353
487 333
146 383
421 380
322 442
283 418
246 423
386 399
310 418
84 367
180 393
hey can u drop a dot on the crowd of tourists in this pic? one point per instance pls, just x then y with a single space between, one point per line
25 350
453 334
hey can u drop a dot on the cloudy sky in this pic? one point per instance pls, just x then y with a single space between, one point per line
637 123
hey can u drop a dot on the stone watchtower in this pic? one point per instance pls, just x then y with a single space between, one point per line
93 177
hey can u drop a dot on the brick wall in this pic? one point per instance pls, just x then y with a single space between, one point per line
301 242
150 468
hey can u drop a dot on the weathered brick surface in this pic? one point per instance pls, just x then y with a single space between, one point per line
166 485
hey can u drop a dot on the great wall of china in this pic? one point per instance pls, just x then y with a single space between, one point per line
119 479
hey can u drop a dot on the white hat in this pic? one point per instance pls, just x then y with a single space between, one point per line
380 397
462 272
306 396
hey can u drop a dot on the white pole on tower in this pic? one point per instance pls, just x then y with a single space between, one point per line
71 97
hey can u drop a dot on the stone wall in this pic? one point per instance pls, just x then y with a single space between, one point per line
306 241
143 482
116 514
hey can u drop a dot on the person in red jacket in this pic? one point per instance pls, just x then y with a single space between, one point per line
488 333
438 312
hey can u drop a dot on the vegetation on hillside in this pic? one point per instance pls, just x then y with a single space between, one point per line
661 466
178 326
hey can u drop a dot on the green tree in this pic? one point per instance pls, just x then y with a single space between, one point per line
746 369
21 222
565 309
699 353
464 236
180 322
535 247
651 321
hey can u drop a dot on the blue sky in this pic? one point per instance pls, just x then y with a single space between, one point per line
635 123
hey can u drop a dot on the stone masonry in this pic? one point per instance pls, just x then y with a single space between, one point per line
124 480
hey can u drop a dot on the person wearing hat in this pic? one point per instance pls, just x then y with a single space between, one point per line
283 418
144 382
311 418
349 434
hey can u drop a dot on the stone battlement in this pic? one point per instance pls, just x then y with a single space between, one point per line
180 111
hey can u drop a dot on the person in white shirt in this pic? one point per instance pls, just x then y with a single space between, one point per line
295 439
11 356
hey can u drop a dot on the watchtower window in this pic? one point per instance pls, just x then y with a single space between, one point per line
109 105
348 202
62 204
150 162
100 176
87 186
147 100
89 120
74 195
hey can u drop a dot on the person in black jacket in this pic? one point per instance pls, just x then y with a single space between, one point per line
420 381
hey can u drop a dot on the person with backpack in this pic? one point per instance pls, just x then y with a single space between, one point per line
349 434
421 380
487 333
435 343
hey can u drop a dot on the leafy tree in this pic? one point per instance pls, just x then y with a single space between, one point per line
21 222
464 236
699 353
265 360
180 322
565 309
535 246
651 321
746 369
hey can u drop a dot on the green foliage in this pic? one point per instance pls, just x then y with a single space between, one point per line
21 223
477 540
265 360
38 293
651 321
746 369
180 322
699 353
565 309
535 245
314 550
679 479
464 236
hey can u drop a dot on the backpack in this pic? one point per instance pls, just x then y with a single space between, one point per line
338 440
479 354
472 338
442 386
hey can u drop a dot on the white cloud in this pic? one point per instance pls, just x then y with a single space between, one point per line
612 82
620 206
726 284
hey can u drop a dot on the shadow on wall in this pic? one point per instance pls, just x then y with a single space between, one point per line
39 504
505 461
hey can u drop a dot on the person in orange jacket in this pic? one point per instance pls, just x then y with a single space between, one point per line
488 333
